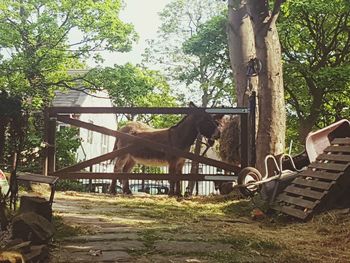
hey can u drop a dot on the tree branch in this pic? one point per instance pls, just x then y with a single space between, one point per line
275 12
295 102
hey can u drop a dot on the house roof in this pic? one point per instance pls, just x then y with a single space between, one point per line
69 98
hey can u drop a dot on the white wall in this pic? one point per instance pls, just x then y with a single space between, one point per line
93 143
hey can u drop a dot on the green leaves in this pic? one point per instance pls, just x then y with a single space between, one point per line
68 142
315 42
192 49
126 84
43 39
214 74
133 86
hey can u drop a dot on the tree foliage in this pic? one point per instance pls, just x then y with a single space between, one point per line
315 38
68 142
190 50
37 50
214 75
40 42
13 123
253 34
135 86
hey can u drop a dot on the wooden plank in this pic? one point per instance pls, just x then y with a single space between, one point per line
148 143
134 176
334 157
320 174
304 192
53 111
297 201
313 183
341 141
37 178
293 212
101 158
329 166
344 149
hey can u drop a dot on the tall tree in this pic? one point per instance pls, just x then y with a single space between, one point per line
185 49
253 26
315 38
34 35
41 40
136 86
213 74
194 53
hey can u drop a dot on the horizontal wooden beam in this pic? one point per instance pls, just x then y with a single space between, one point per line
53 111
38 178
147 176
101 158
148 143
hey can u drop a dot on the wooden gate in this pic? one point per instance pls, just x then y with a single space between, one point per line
64 114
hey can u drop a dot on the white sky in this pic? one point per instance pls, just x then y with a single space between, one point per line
143 14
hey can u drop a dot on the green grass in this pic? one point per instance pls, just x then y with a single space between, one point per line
63 230
221 220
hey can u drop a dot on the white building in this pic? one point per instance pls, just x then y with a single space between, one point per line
93 144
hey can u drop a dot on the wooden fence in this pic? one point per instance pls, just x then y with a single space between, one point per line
63 114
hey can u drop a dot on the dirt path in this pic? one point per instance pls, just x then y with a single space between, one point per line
107 233
100 228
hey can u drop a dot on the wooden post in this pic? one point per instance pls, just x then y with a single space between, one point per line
90 181
51 145
143 170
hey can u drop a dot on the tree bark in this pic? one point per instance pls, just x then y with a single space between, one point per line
241 47
306 124
241 42
252 32
271 128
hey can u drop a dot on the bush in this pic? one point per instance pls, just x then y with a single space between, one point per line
70 185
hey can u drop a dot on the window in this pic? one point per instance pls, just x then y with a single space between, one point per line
104 143
90 135
62 126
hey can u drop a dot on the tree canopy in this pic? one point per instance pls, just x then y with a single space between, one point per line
315 39
131 86
192 50
41 40
213 74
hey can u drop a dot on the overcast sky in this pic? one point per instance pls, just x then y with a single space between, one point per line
143 14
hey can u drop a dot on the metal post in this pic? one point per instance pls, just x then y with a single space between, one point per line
252 129
45 160
244 140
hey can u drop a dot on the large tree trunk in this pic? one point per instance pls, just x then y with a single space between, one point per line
271 128
271 131
241 47
241 44
252 33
